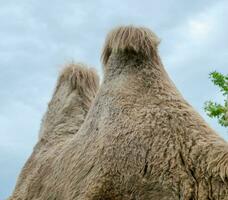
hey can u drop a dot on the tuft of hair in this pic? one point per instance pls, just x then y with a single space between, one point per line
81 78
138 39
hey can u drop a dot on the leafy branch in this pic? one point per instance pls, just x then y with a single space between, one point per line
216 110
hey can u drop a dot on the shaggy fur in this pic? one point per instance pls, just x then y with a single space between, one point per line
141 40
141 140
76 88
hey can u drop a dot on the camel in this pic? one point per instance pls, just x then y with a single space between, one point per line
140 140
74 92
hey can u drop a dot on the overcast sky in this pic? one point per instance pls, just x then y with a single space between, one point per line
38 37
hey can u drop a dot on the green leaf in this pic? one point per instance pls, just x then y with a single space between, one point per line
215 110
220 80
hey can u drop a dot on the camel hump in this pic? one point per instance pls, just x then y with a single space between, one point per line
75 90
138 39
79 77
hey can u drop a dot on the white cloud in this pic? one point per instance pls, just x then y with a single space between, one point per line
200 29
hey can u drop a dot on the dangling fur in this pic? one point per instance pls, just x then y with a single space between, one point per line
81 79
140 40
76 88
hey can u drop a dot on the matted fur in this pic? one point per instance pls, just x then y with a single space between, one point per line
76 87
139 39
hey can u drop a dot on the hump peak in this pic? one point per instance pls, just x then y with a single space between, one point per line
138 39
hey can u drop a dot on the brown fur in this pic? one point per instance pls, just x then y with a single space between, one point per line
141 40
75 89
140 140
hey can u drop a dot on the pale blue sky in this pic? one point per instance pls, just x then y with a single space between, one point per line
38 37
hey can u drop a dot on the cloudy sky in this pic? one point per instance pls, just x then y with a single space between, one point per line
38 37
